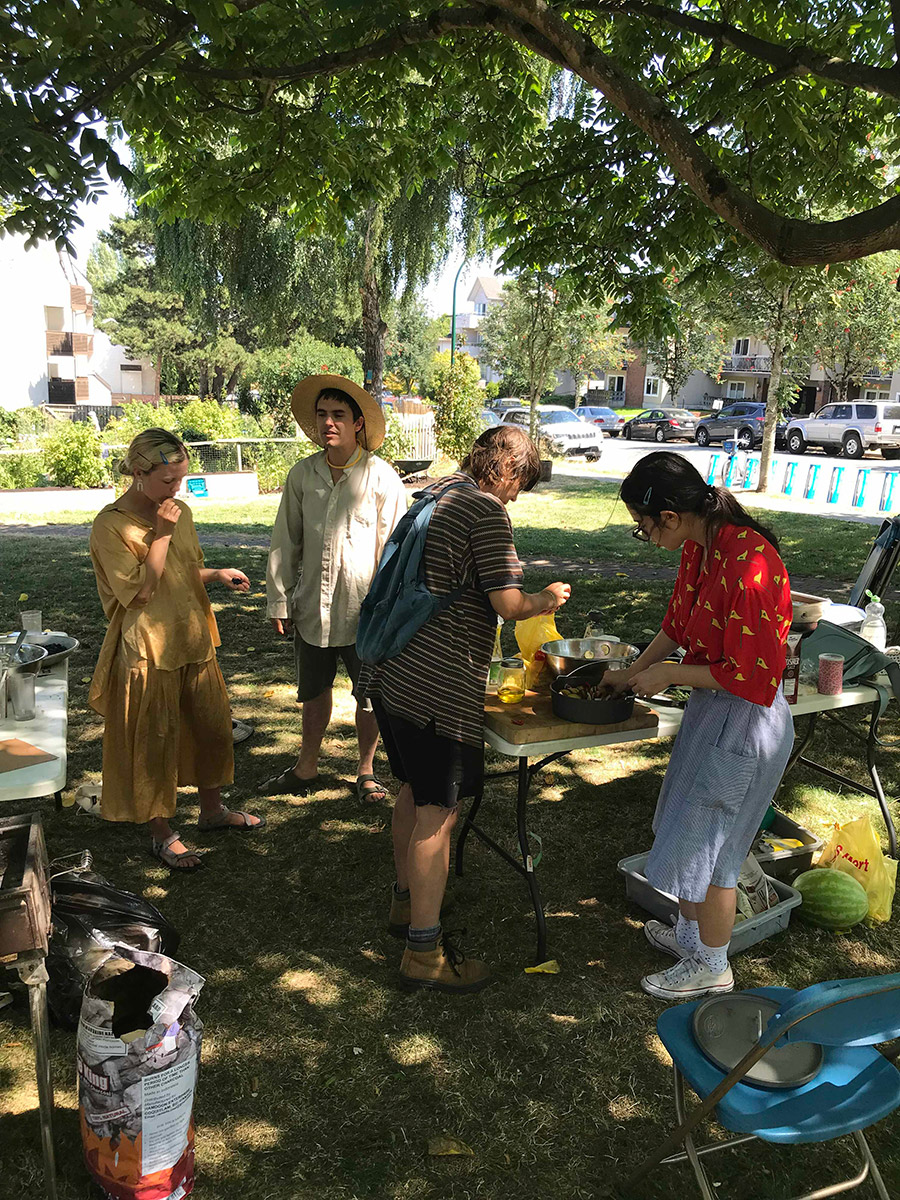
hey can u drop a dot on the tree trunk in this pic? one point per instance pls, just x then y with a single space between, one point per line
772 406
232 381
374 328
203 384
218 383
157 375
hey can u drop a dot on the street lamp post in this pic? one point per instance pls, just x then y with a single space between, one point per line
453 316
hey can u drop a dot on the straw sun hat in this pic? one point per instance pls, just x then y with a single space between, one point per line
307 392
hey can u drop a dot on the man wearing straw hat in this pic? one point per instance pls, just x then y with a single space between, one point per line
337 511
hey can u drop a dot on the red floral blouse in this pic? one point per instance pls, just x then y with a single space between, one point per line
733 615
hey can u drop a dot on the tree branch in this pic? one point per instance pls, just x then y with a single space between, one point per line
788 240
794 60
895 23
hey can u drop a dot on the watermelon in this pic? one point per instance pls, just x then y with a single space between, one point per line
831 899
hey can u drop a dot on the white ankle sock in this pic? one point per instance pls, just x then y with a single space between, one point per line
714 957
687 933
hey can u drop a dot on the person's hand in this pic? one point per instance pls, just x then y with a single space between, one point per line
560 593
167 518
618 681
653 680
282 625
234 580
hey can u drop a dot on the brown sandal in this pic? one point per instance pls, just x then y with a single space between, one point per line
217 822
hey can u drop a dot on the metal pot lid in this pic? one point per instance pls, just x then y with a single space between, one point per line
727 1027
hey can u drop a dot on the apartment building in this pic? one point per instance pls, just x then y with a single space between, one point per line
50 353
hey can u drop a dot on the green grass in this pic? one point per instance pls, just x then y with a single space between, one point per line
557 1083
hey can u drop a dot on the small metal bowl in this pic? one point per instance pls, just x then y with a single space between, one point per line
29 659
568 653
69 644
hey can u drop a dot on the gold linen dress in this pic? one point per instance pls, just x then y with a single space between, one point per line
157 682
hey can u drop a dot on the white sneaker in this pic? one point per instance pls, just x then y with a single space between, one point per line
663 937
687 980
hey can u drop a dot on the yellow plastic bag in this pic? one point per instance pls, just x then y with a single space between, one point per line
533 632
854 848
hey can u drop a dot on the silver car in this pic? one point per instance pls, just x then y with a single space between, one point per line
850 428
606 419
566 433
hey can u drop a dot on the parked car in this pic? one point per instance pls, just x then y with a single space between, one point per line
661 425
490 418
849 428
566 433
505 403
747 417
607 418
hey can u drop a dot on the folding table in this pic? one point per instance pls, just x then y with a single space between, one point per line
47 731
519 732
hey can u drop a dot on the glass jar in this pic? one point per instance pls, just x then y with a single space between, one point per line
511 682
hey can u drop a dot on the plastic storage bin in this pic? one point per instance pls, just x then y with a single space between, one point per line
788 864
665 907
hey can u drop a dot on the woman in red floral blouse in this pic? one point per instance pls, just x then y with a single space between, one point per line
730 611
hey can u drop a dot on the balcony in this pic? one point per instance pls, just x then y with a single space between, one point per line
61 391
78 298
82 390
747 364
59 343
83 343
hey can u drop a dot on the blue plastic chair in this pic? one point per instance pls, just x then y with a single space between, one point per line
855 1087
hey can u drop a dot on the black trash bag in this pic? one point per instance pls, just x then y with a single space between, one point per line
89 916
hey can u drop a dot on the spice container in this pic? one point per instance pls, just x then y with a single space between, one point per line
831 674
511 684
791 677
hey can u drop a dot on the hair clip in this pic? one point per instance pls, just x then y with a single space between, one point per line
646 499
163 458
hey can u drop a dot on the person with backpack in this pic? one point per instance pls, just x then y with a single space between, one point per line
428 697
731 611
337 511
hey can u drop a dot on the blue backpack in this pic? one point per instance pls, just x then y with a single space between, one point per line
399 603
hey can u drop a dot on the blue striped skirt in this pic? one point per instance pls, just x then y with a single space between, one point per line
727 761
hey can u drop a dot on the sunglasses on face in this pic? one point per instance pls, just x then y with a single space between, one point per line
640 533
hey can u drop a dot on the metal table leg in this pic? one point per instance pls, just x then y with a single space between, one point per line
871 743
33 973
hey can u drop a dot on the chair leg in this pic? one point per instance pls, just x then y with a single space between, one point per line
707 1191
860 1139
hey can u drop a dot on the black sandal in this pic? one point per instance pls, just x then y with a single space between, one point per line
372 795
287 784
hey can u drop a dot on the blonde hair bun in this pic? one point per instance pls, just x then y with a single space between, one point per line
150 448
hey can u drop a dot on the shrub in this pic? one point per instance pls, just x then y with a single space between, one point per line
9 426
491 391
22 470
457 408
72 456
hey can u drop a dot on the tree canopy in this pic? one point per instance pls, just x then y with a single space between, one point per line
640 127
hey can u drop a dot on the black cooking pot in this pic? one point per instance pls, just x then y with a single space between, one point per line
608 710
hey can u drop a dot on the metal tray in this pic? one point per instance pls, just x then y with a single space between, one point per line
665 907
728 1027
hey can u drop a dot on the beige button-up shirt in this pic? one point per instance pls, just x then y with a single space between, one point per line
327 541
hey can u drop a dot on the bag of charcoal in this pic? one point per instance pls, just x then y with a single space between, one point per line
138 1059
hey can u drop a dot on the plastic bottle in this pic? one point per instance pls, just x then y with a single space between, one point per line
874 629
594 627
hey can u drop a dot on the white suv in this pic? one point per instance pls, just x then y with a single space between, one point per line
852 428
566 433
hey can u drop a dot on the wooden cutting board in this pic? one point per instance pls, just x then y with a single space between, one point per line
533 720
16 754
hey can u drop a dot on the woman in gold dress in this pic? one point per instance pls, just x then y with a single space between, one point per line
157 682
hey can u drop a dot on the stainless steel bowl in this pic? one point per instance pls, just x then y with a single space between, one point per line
29 659
69 646
569 653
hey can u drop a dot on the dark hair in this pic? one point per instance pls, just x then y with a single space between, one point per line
502 454
343 397
667 482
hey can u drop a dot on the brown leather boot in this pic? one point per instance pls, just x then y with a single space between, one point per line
398 921
441 967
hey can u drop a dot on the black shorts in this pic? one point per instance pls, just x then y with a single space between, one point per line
439 770
317 666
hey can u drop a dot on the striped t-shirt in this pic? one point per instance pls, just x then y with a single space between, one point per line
441 673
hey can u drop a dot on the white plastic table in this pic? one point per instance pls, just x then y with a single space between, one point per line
809 704
48 732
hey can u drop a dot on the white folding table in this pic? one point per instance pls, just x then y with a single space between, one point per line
48 732
809 704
